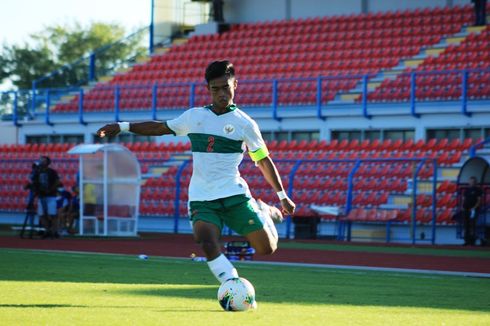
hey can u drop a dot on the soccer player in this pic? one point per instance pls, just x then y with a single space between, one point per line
218 196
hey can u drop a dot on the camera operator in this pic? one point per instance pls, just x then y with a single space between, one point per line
46 182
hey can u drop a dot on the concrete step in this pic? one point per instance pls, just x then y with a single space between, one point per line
181 157
400 200
413 62
393 206
448 173
475 29
159 51
158 170
105 79
454 40
435 51
180 40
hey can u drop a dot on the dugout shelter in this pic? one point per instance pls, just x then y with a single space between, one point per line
478 167
109 184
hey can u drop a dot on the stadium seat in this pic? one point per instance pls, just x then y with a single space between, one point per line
326 47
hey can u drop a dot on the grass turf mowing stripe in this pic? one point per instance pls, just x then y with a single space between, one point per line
100 289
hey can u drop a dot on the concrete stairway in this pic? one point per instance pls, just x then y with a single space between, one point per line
413 62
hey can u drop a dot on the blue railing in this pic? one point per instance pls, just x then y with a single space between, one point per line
477 146
319 93
89 68
420 162
343 228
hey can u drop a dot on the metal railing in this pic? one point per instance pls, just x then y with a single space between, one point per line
89 68
420 162
318 93
478 146
92 66
352 165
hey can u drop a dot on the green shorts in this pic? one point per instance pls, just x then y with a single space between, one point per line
239 213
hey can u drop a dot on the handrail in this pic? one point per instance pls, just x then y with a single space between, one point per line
177 195
291 195
358 162
413 219
90 57
477 146
276 106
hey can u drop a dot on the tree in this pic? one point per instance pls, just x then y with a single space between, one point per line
66 49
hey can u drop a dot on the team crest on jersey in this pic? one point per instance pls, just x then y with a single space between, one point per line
228 129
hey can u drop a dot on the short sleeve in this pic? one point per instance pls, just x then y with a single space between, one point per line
257 148
180 125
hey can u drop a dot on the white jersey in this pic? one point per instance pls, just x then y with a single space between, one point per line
218 143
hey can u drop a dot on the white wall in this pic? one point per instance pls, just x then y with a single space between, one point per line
295 119
241 11
238 11
9 134
383 5
314 8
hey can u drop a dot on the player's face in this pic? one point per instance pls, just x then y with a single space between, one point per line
222 91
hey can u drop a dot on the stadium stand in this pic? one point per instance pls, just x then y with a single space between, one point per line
433 84
376 184
354 45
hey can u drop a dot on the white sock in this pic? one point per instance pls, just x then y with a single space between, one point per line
222 269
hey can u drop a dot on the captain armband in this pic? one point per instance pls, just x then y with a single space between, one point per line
259 154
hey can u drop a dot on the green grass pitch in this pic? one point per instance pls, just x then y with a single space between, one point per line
55 288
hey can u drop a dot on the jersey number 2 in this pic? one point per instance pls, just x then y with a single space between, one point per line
210 144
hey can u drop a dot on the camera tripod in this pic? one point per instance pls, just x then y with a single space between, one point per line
28 221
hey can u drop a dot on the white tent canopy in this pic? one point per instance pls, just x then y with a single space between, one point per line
109 185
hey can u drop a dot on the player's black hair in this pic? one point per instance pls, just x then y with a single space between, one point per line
47 159
218 69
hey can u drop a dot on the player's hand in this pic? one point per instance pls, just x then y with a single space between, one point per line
109 130
288 206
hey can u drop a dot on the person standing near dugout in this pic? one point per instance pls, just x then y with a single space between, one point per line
45 184
471 205
219 134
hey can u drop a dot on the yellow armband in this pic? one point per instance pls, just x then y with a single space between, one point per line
259 154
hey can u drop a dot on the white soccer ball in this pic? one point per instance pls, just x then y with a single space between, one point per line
237 294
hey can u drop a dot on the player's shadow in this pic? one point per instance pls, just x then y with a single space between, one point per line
57 306
195 292
335 294
273 284
42 305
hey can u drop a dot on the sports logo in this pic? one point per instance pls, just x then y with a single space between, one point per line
228 129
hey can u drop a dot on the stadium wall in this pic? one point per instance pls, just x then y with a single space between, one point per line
9 133
435 115
237 11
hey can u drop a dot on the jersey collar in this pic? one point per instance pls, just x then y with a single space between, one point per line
231 107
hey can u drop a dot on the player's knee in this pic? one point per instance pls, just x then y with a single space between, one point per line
211 248
266 248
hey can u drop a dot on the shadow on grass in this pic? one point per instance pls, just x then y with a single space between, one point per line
42 306
56 306
356 294
275 284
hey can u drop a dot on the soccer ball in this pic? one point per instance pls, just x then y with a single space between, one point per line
237 294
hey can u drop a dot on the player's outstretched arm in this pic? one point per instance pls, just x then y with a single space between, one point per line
147 128
271 174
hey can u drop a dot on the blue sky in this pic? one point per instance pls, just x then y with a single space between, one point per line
19 18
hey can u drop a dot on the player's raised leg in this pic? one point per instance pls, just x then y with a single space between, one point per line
264 241
207 235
